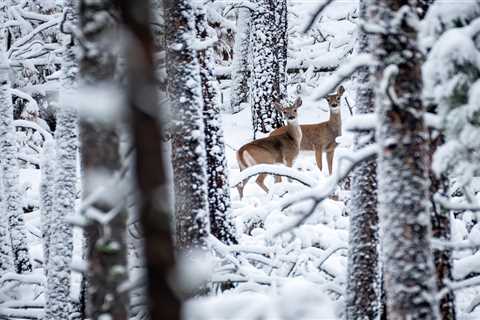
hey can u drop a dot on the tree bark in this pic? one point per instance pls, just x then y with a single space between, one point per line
364 272
239 92
188 144
151 178
403 166
106 251
265 77
58 301
219 202
281 43
6 248
9 172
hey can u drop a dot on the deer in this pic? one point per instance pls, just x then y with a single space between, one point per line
321 137
279 149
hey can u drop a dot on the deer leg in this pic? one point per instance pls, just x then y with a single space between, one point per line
260 181
290 165
240 187
330 154
278 179
318 158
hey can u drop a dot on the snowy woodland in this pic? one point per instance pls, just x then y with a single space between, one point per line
239 159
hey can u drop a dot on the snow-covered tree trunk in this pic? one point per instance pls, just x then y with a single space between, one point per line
6 253
188 145
402 165
264 88
281 43
219 202
9 170
106 240
58 299
441 229
364 277
239 92
151 176
47 195
440 217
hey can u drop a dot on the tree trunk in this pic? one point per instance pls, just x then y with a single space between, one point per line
281 23
106 251
151 175
441 229
58 301
188 144
219 202
47 196
6 253
9 171
265 77
240 64
364 276
403 167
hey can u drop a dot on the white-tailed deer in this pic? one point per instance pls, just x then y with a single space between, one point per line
282 148
320 137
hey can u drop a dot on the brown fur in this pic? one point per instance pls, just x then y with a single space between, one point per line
282 148
320 137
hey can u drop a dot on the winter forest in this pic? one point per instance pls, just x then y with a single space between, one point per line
239 159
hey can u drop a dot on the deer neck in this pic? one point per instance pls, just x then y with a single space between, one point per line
335 121
294 130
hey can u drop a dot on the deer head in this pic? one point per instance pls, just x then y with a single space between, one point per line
335 99
290 112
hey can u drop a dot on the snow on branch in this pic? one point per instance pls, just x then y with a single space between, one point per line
362 122
321 192
25 96
457 245
275 170
444 202
344 72
314 17
47 136
458 285
241 4
23 40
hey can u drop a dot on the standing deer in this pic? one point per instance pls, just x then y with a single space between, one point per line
320 137
282 148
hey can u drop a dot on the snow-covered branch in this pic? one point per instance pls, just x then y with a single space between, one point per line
326 189
275 170
444 202
314 17
344 72
32 125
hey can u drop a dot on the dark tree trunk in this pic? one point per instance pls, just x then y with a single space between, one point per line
219 202
106 251
364 278
188 144
151 177
265 78
281 44
240 88
403 167
441 229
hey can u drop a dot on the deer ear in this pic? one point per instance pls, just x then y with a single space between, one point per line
298 102
340 90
